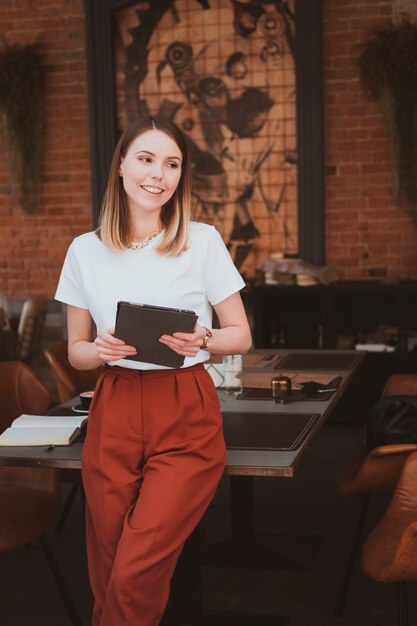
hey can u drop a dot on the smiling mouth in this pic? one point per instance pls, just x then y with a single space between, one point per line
155 190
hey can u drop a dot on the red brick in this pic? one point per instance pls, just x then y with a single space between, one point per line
360 205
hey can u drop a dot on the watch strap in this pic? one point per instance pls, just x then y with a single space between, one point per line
207 338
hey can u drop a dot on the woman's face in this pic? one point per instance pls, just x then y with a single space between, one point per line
151 171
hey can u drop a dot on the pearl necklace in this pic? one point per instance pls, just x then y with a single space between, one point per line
142 244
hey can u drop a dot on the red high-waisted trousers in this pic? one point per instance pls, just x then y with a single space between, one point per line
153 456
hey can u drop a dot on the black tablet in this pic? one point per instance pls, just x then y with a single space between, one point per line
141 325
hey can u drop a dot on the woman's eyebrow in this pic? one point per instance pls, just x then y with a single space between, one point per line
152 154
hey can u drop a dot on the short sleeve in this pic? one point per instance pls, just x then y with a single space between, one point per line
70 288
221 276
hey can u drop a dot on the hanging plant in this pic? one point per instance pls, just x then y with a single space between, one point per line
21 95
388 72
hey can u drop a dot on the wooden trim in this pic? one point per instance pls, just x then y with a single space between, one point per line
308 20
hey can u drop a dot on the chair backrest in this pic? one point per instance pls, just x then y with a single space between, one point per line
2 323
398 384
389 552
29 496
21 391
69 381
31 325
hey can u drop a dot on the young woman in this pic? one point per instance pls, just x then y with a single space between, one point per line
154 451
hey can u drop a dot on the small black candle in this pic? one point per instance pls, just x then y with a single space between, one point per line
280 387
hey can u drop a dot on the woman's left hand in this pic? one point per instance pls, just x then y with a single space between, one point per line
186 344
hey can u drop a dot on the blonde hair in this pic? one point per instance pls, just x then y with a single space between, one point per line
114 224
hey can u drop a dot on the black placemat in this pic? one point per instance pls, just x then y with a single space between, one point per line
316 361
267 431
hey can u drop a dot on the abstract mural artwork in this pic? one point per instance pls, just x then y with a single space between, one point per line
224 71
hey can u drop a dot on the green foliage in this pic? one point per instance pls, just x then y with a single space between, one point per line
21 96
388 72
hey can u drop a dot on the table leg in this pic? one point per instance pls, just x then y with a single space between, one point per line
185 606
241 550
242 508
185 601
246 549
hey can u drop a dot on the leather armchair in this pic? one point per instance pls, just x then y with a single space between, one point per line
69 381
389 553
30 328
30 497
21 391
371 472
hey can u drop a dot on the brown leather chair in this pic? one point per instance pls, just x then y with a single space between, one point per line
21 391
371 472
389 553
8 338
30 328
69 381
30 497
2 328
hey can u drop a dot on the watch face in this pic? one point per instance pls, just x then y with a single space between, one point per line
207 339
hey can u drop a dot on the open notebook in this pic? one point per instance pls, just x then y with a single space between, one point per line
43 430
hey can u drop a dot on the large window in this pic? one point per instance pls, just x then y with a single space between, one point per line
242 80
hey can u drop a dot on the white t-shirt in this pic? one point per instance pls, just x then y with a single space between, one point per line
94 277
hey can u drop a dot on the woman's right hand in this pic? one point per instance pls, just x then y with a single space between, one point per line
109 348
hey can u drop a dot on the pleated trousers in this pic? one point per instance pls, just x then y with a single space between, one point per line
153 456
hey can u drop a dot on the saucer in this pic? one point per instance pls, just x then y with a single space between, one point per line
78 408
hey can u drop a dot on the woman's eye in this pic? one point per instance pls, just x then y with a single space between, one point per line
173 164
145 159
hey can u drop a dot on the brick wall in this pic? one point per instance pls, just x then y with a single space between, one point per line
365 231
32 247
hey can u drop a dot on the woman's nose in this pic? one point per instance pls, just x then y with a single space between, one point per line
157 170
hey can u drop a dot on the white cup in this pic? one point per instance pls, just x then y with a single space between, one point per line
232 370
216 372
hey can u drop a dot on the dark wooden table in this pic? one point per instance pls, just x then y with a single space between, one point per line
243 465
250 461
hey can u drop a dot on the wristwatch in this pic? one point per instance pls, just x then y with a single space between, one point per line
208 338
